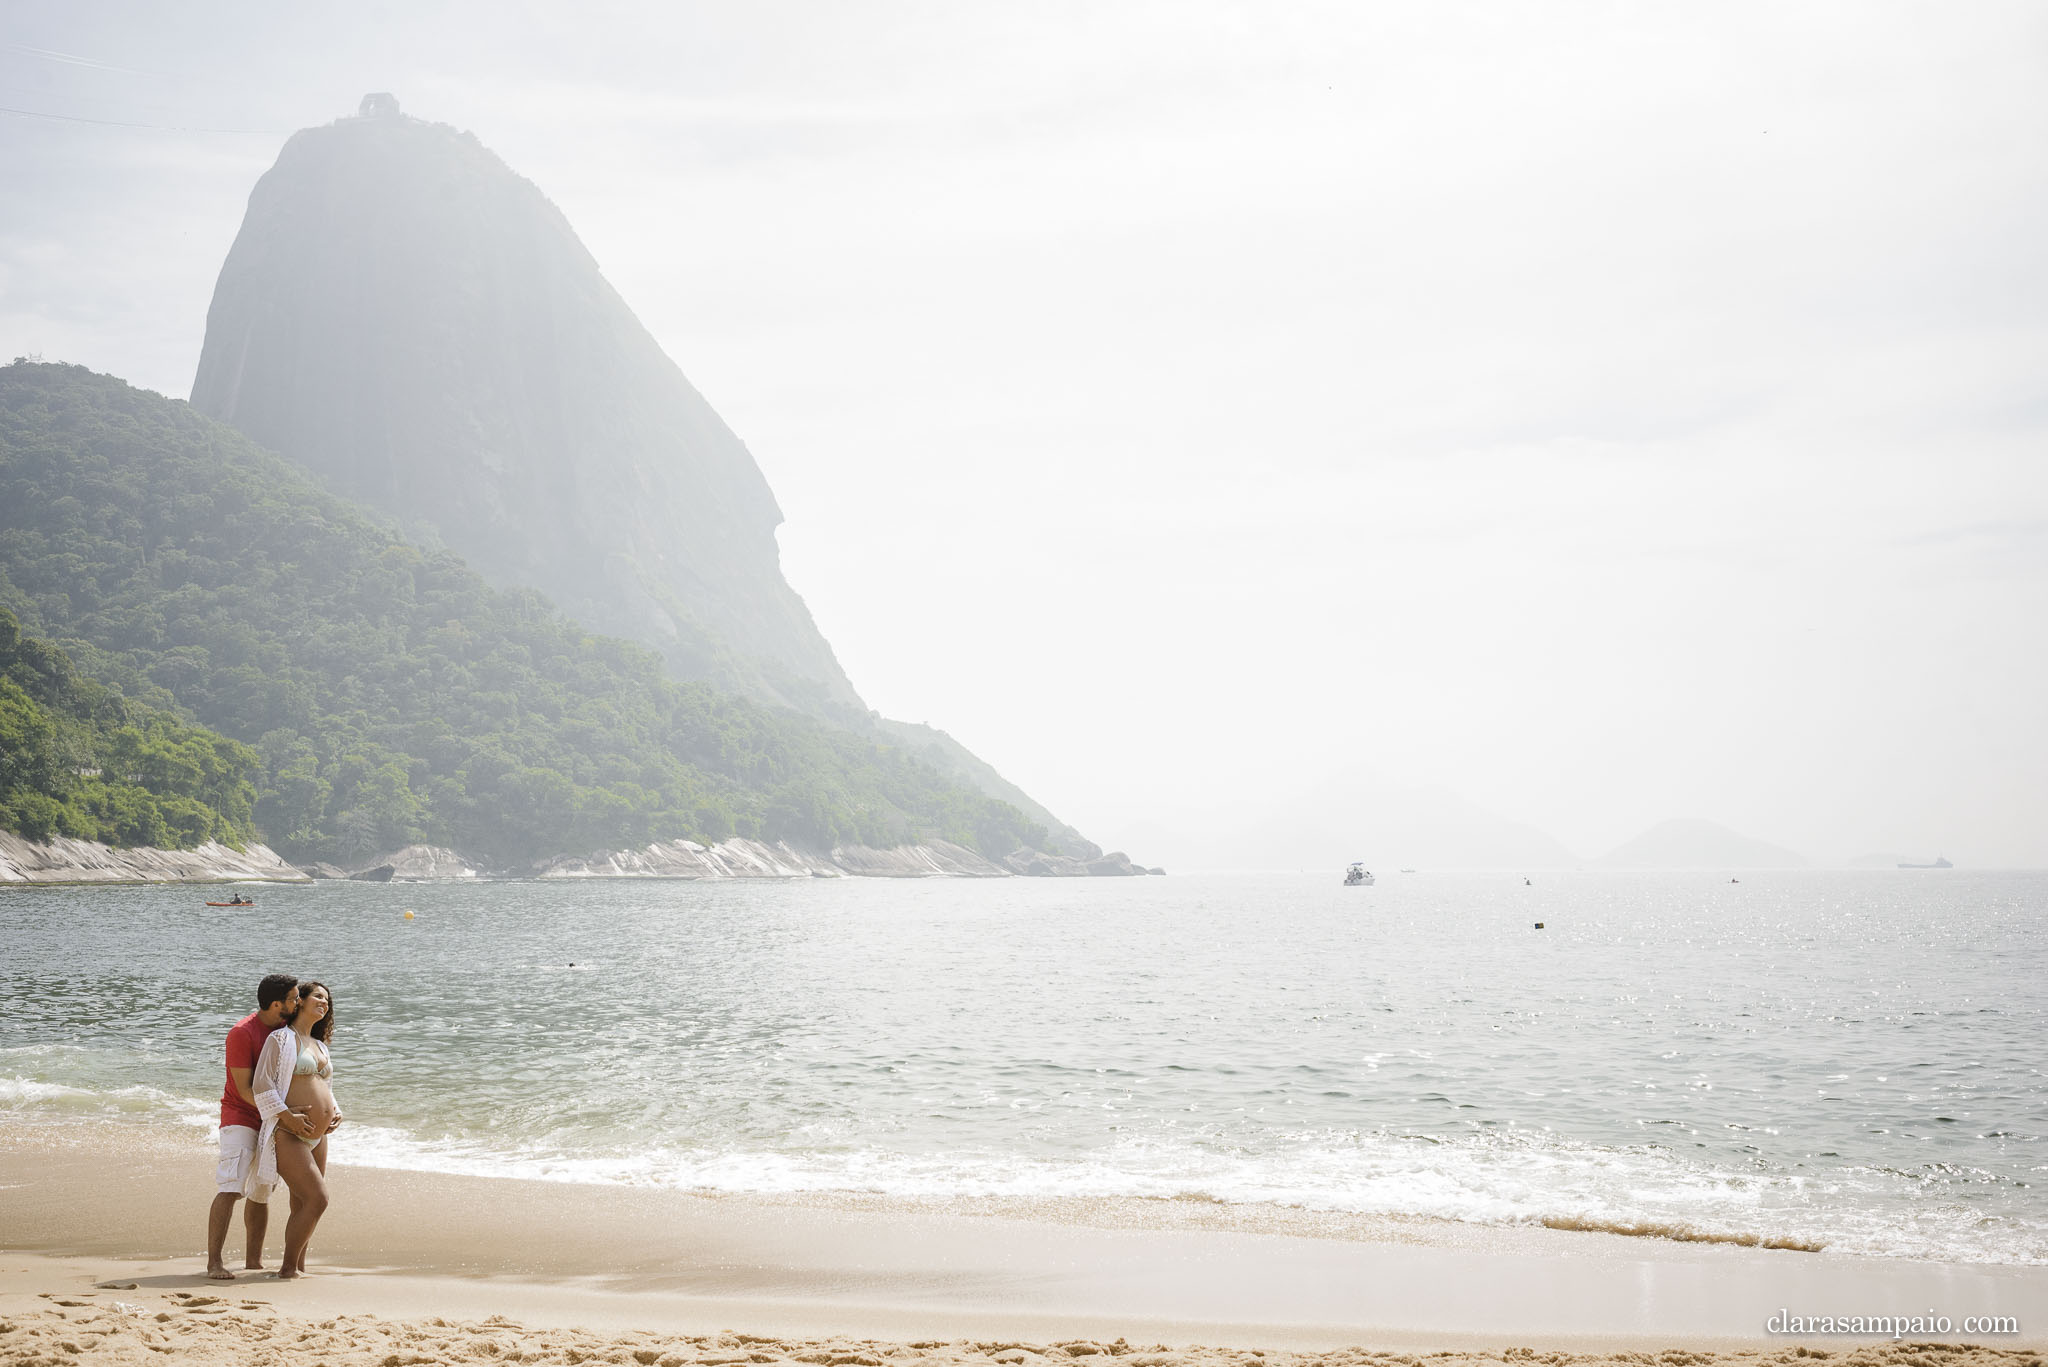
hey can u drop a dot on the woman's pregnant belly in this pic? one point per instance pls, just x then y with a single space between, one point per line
313 1096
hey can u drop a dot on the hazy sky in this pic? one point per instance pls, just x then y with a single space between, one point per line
1214 413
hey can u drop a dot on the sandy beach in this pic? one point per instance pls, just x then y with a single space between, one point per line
123 1323
102 1231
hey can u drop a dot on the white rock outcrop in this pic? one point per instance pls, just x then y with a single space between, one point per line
419 864
931 859
1038 864
64 860
741 858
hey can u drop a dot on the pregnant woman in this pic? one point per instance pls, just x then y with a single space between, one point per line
294 1095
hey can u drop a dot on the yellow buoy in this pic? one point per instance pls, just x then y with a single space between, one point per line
408 916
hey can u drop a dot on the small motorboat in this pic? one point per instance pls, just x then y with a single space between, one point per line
1358 875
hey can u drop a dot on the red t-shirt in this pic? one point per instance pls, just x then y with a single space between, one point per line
245 1042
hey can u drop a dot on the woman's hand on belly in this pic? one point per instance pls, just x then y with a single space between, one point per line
310 1096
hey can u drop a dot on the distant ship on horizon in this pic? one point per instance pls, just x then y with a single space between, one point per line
1940 862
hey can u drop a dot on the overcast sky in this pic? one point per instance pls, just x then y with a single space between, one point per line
1222 416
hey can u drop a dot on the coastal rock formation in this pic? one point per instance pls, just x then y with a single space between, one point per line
744 858
64 860
931 859
418 864
688 859
741 858
1038 864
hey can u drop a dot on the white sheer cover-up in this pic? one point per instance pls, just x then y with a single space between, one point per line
269 1081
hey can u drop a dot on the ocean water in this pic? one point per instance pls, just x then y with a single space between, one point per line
1854 1061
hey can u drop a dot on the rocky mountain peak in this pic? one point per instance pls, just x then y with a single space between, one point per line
414 321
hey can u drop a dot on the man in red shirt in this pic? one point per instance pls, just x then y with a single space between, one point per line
277 998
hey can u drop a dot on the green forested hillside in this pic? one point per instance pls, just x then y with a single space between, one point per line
389 693
78 759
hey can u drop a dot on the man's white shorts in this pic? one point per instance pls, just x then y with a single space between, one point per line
237 1151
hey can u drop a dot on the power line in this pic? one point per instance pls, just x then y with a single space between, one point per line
154 127
74 60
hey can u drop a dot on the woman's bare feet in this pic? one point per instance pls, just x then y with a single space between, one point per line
219 1273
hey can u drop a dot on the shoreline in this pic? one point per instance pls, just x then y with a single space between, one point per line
69 863
76 1211
178 1146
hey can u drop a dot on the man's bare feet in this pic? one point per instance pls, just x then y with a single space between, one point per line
219 1274
285 1274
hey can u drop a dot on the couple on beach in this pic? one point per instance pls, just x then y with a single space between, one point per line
275 1115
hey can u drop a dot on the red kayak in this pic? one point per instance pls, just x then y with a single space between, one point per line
231 904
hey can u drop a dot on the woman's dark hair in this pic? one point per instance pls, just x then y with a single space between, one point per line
274 988
325 1025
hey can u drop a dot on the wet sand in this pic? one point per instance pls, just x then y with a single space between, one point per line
615 1272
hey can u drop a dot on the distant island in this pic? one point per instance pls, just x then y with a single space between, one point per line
1693 843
